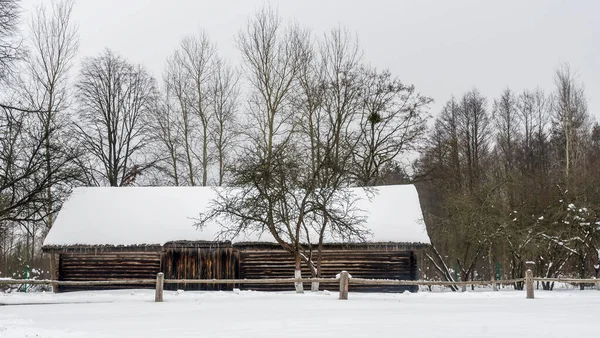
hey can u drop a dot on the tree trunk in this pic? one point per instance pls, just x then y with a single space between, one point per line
221 165
491 265
548 286
472 278
298 274
596 273
517 270
315 272
32 257
582 269
204 153
189 163
319 256
463 275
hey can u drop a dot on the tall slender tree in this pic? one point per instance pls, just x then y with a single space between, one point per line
570 118
190 77
225 127
54 44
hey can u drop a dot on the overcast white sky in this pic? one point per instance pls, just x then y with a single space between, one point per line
443 47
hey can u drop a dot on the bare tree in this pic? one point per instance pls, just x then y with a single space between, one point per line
328 100
272 56
167 134
115 100
177 91
54 43
570 116
189 76
533 151
508 126
277 173
462 200
341 59
10 47
24 179
309 102
225 128
276 189
35 158
393 121
283 199
474 126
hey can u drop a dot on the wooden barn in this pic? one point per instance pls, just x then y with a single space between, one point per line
105 233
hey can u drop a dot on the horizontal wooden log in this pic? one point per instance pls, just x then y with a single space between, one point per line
106 260
253 281
567 280
420 282
371 274
108 282
107 277
111 254
103 265
277 248
109 259
340 260
73 283
328 265
287 274
76 288
26 281
108 273
355 281
91 249
395 253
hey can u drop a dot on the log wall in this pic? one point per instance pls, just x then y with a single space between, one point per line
388 264
187 260
106 265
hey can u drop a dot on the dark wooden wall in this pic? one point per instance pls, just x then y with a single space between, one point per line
385 264
199 263
222 261
107 265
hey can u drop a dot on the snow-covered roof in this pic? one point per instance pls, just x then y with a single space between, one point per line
158 215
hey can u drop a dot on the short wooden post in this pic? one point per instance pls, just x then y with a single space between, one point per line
160 282
344 277
529 283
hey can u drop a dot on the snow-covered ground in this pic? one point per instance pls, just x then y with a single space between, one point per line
567 313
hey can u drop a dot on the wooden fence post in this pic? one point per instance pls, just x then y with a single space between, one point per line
529 283
160 282
344 277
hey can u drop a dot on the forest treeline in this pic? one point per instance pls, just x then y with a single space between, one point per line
513 180
502 180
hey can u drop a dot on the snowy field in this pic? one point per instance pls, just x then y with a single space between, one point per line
567 313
